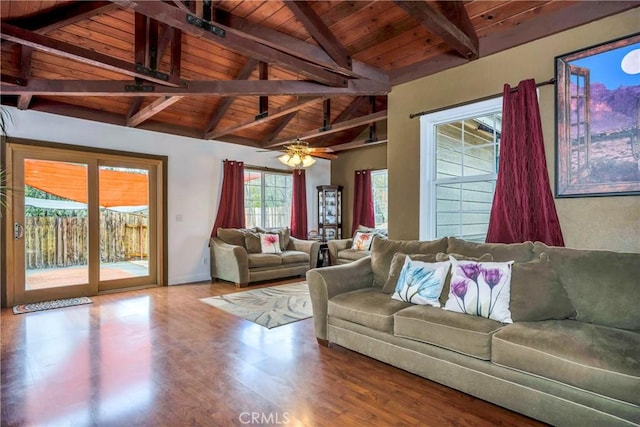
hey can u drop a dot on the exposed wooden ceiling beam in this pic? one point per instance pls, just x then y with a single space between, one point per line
194 88
62 16
26 54
175 17
320 32
552 23
280 125
358 143
299 48
337 127
459 35
217 115
273 114
67 50
152 109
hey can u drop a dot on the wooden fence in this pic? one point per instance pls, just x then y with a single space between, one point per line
63 241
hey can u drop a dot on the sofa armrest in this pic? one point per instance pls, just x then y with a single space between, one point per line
325 283
228 262
336 246
309 246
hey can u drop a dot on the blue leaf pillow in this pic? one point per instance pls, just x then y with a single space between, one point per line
421 282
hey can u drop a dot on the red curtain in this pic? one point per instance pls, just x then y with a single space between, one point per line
523 206
299 205
363 201
231 206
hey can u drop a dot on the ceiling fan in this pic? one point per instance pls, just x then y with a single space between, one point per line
298 154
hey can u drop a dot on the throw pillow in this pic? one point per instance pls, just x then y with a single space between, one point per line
270 243
396 267
440 257
232 236
252 242
284 234
362 241
537 294
480 289
421 282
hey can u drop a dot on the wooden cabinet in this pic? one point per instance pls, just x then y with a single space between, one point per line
329 212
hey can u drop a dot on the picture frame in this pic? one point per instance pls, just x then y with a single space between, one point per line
598 120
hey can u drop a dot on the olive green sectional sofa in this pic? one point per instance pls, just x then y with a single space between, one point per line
235 256
571 356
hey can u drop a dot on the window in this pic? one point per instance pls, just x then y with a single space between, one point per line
267 198
459 167
379 184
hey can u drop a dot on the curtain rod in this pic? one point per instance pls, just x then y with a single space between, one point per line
473 101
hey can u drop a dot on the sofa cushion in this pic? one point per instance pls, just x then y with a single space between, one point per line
537 294
264 260
294 257
520 252
397 262
252 242
232 236
382 251
421 282
465 334
480 289
352 254
603 286
368 307
597 358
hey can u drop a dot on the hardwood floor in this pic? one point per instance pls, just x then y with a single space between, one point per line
160 357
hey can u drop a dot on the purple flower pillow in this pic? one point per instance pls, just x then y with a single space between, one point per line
480 289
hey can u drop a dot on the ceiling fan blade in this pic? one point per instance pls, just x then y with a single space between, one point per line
327 156
320 150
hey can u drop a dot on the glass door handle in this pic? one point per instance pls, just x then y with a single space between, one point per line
18 231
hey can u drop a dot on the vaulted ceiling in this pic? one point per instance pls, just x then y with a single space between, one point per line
257 73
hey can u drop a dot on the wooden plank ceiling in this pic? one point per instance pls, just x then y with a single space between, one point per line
257 73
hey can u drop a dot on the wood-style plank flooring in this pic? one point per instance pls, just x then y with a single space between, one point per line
160 357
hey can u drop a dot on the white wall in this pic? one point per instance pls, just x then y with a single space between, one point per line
194 177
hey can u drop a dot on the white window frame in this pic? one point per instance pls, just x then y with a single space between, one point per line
428 124
381 172
262 173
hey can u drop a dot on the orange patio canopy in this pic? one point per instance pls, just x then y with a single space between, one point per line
69 180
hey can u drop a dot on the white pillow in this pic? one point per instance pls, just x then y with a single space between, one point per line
480 289
362 241
421 282
270 243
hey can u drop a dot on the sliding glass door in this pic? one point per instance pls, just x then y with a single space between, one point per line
80 223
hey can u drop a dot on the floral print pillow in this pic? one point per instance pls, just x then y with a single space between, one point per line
362 241
421 282
480 289
270 243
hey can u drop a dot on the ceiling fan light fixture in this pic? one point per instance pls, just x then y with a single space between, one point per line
285 158
307 161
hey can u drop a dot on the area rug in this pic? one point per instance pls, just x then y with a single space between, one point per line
268 307
48 305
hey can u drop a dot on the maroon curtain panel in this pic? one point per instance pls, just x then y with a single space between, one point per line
523 206
231 206
299 205
363 201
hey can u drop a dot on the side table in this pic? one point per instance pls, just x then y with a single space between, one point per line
323 255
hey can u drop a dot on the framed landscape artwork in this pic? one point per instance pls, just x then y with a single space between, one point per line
598 120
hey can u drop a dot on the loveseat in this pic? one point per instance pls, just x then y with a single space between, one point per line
236 256
571 356
342 251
